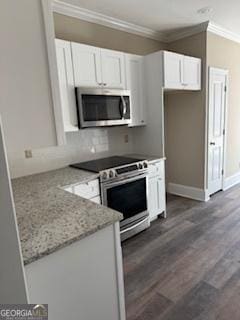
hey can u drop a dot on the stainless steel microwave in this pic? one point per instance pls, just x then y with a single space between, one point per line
102 107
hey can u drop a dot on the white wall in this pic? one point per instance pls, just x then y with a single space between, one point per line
81 146
26 103
25 99
12 288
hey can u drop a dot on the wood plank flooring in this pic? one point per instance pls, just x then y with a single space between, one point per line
187 266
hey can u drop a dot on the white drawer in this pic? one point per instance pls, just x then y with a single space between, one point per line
156 169
87 190
97 200
69 189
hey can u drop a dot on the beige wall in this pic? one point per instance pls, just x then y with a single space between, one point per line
185 122
225 54
73 29
25 99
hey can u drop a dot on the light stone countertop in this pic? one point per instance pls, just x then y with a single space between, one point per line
50 218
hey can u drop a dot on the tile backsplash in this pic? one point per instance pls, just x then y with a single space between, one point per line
81 146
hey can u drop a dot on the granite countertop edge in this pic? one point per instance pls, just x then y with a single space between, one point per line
50 218
36 257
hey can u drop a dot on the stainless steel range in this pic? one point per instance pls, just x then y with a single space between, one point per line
123 188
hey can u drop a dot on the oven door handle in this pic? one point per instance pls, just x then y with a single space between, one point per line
134 226
124 180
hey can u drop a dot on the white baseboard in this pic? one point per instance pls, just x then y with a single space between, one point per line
231 181
188 192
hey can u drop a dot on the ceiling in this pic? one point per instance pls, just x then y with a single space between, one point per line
167 15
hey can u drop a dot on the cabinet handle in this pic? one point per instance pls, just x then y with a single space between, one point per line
100 84
104 84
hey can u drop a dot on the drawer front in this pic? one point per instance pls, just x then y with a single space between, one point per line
87 190
97 200
156 169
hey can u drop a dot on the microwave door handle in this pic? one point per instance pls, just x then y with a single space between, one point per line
124 107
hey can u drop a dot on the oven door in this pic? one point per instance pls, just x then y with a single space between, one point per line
99 108
128 196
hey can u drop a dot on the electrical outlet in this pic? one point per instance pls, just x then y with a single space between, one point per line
126 138
28 154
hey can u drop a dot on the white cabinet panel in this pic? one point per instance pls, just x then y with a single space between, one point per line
82 281
87 190
86 65
97 200
66 83
181 72
192 73
156 190
134 78
113 69
173 70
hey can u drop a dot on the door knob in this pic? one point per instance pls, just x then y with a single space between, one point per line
212 143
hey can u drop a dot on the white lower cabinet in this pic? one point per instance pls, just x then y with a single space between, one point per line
89 190
156 190
82 281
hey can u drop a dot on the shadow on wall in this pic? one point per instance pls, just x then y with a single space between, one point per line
84 145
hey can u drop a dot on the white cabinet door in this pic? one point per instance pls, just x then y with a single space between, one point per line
86 65
173 70
113 69
156 189
156 196
153 197
66 83
191 73
134 78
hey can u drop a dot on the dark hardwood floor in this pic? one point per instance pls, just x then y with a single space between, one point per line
187 266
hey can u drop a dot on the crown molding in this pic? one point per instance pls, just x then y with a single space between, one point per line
64 8
223 32
186 32
104 20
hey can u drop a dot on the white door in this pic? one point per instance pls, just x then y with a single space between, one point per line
191 73
216 128
173 70
113 69
66 84
86 65
134 76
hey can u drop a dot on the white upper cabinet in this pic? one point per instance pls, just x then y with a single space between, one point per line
134 78
86 65
191 73
172 69
66 83
113 69
181 72
96 67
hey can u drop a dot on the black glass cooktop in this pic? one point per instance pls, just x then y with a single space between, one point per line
104 163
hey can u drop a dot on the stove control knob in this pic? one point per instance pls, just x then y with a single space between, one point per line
140 166
104 175
145 164
111 174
